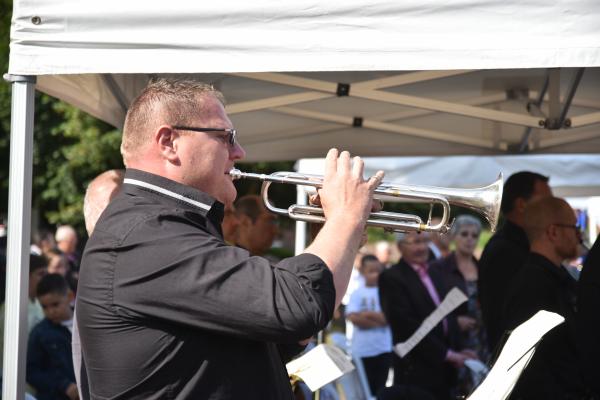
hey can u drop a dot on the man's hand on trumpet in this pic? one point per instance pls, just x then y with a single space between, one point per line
347 200
340 173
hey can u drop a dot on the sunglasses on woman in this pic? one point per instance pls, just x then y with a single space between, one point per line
465 234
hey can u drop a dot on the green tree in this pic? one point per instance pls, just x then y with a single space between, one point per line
70 148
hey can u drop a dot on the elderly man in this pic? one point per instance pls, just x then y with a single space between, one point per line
66 241
166 309
507 250
409 293
257 227
543 283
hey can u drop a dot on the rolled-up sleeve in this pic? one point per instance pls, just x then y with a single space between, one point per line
167 268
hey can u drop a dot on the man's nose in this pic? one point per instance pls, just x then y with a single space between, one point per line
237 152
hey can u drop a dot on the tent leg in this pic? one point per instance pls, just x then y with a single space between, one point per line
300 225
19 236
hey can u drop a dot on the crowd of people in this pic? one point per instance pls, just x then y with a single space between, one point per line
177 297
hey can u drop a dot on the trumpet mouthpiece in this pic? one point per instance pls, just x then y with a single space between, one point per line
235 173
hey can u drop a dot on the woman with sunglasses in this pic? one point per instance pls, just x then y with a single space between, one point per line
460 269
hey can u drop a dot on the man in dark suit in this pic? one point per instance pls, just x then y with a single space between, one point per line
543 283
507 250
588 317
409 292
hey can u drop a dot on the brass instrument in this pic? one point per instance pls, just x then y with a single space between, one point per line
484 200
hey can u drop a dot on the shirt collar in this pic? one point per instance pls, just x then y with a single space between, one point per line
176 191
558 271
417 267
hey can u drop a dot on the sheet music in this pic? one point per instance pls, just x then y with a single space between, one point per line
453 299
320 366
515 356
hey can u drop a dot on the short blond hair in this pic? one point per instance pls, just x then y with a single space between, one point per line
163 101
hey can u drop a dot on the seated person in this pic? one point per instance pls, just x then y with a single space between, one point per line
49 360
372 338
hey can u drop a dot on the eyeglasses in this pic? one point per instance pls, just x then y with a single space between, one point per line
465 234
576 227
231 133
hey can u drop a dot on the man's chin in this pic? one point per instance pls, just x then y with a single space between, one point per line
229 195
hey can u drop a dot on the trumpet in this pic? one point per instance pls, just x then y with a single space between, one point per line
484 200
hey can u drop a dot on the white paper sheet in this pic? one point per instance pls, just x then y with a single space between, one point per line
515 356
320 366
453 299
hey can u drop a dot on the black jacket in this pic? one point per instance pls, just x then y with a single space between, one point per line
406 302
554 371
588 318
502 257
49 362
167 310
447 267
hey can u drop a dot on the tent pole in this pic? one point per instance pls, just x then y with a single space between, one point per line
19 234
300 236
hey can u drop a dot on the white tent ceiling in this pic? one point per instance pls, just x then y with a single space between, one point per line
99 55
298 115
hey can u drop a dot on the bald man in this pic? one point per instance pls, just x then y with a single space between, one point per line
544 284
99 193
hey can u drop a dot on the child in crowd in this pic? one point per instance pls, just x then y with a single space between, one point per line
372 337
49 360
37 269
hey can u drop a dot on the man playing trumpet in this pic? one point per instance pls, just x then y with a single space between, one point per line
166 309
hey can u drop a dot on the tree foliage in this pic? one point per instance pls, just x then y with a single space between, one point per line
70 148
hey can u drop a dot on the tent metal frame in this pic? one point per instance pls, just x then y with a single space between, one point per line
474 108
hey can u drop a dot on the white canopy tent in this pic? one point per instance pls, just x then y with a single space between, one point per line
353 89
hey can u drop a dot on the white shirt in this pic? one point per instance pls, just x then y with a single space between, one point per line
368 342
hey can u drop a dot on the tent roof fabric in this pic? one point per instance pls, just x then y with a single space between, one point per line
378 78
299 115
180 36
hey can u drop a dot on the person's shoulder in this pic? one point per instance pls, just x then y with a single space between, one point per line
442 264
397 273
41 329
392 271
498 243
531 278
128 216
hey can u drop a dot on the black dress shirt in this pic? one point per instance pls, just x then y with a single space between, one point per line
554 371
502 258
167 310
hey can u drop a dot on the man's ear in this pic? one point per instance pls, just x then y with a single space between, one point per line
551 232
165 139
